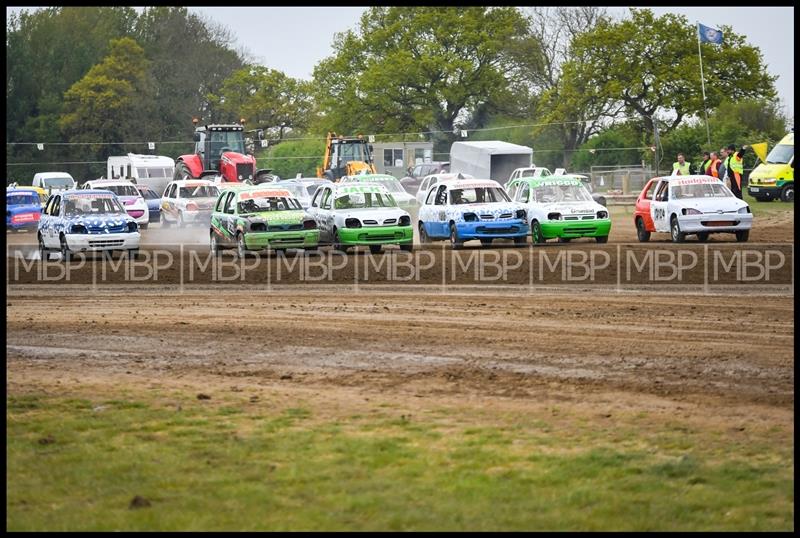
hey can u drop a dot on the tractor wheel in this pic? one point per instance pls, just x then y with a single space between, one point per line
182 172
328 175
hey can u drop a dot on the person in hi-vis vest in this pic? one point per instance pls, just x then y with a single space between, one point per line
714 165
734 166
681 167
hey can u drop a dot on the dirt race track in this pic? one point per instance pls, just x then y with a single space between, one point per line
717 355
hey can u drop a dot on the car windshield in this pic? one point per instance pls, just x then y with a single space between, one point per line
297 191
553 194
92 205
149 194
201 191
391 184
780 154
57 182
22 198
478 195
354 200
699 190
268 203
122 190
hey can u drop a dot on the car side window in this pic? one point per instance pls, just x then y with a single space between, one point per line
523 192
218 207
229 203
326 199
418 171
662 194
441 195
648 194
512 190
49 205
56 209
315 199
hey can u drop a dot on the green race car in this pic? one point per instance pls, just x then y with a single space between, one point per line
260 217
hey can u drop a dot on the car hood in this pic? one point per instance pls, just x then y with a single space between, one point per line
100 220
769 171
372 212
294 216
706 205
572 208
494 208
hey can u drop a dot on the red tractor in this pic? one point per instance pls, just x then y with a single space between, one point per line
219 151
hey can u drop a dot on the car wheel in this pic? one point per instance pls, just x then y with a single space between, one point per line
564 239
241 251
702 236
214 245
423 235
486 241
180 223
455 242
407 247
675 230
375 249
601 239
641 233
66 254
536 232
44 252
164 221
787 194
742 236
337 245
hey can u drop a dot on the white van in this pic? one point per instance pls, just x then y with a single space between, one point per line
53 181
153 171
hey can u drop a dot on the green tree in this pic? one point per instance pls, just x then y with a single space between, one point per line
650 66
291 157
109 102
416 68
267 98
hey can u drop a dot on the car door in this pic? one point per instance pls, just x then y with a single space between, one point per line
229 217
46 222
658 206
643 204
423 190
55 219
439 225
327 213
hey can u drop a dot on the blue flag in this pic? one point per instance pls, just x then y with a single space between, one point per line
709 35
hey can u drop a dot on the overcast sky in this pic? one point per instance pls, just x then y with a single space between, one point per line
294 39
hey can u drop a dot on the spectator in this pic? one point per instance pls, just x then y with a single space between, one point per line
714 165
723 155
704 164
734 164
681 167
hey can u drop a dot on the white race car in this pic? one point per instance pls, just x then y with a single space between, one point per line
188 201
465 209
699 205
433 179
349 214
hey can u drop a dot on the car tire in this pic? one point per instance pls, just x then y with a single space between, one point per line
407 247
143 226
423 235
601 239
375 249
675 231
44 252
702 236
214 245
337 245
164 222
742 236
455 242
180 222
66 254
241 251
564 239
641 233
486 241
536 232
787 193
182 172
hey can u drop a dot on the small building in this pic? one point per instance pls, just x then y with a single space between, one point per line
395 157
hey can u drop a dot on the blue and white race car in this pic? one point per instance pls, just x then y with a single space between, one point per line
86 220
23 209
465 209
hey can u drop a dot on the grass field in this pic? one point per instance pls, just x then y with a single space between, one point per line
240 462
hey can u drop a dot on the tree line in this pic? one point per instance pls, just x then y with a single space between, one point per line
588 82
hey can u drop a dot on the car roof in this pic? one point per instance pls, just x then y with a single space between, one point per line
194 182
86 191
265 189
109 182
369 177
696 178
469 183
29 190
444 176
549 179
48 175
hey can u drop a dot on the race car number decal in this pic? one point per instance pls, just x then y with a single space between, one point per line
659 213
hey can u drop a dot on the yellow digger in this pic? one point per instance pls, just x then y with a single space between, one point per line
346 156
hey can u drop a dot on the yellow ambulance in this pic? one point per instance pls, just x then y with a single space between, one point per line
775 177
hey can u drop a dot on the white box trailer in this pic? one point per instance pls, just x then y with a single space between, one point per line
490 159
154 171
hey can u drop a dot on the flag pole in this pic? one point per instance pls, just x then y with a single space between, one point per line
703 84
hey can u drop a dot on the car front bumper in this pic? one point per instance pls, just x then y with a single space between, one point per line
197 217
377 235
576 228
142 218
97 242
715 222
496 229
771 192
287 239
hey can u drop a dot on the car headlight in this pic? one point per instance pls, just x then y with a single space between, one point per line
405 220
258 226
352 223
602 214
78 229
132 226
691 211
554 216
520 214
766 181
309 224
745 209
470 217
